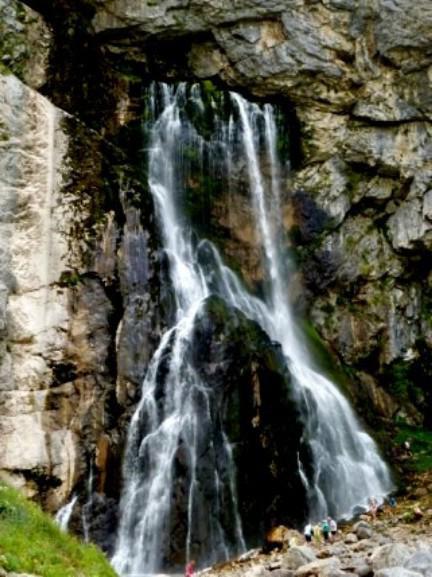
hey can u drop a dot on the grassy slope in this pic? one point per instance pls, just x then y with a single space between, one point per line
31 542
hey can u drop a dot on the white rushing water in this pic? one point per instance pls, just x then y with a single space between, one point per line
64 514
86 510
174 414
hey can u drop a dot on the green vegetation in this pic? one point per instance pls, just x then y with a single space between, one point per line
14 50
323 358
421 446
403 381
31 542
70 278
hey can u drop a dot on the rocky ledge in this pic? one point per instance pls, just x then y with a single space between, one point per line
396 544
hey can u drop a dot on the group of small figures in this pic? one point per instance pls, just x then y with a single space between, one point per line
326 529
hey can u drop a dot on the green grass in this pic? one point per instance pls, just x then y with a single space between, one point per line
324 361
31 542
421 446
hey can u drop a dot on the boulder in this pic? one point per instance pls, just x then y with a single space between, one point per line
363 530
282 573
322 568
363 570
350 538
421 562
396 572
391 555
298 556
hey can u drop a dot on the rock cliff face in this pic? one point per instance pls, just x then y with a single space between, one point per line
74 271
358 203
55 380
82 296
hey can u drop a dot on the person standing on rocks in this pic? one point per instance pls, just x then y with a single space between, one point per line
190 569
373 507
316 532
308 532
333 528
325 529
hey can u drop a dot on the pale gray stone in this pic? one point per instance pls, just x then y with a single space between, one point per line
392 555
321 568
396 572
298 556
421 562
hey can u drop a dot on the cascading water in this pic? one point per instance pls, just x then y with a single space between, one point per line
64 514
175 421
86 511
347 466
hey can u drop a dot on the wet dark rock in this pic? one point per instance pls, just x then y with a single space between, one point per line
102 516
311 219
248 375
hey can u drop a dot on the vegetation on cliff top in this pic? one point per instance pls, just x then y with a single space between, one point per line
31 542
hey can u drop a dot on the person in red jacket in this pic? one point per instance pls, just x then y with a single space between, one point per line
190 569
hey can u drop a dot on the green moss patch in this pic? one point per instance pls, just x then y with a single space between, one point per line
420 445
324 360
408 381
31 542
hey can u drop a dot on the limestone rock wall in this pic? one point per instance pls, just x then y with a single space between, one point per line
35 310
54 332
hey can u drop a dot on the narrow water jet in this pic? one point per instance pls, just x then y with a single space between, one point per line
64 514
86 511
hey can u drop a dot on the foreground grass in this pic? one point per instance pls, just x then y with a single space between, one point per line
30 542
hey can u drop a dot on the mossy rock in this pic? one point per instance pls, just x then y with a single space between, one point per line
239 360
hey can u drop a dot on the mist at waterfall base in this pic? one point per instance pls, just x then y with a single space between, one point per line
180 476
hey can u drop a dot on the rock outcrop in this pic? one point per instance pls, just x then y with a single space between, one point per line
252 391
35 311
393 549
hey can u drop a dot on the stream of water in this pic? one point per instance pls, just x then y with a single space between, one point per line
64 514
347 468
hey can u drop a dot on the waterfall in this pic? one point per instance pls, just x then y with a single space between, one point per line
347 466
64 514
86 510
175 420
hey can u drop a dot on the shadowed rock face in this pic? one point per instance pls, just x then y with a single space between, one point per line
248 373
250 401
